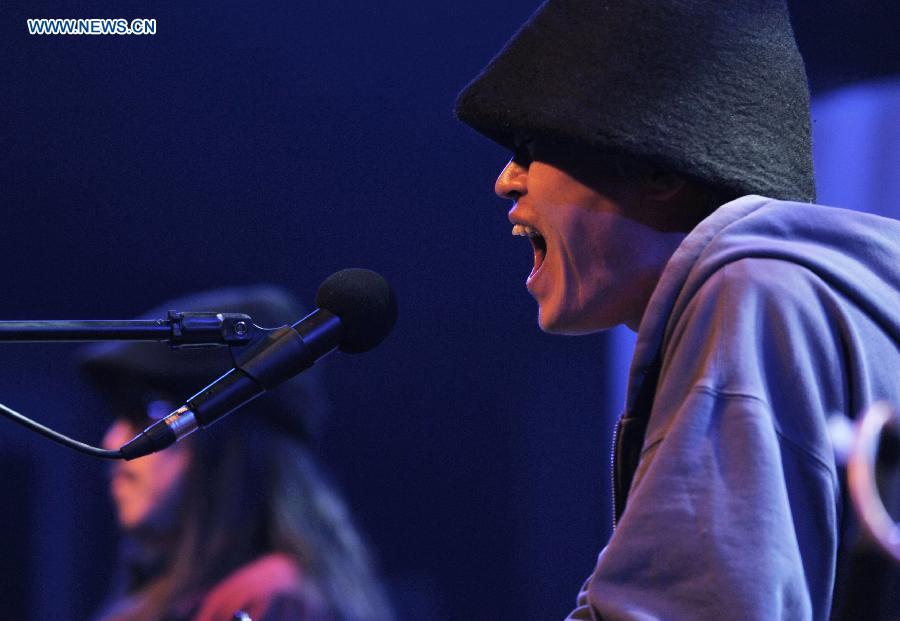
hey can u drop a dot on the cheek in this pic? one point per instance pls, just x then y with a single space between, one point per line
596 274
168 475
590 250
155 489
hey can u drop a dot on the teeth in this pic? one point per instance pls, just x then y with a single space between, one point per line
523 230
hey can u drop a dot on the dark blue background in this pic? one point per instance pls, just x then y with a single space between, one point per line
280 142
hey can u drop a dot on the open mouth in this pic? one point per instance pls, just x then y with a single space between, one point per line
538 244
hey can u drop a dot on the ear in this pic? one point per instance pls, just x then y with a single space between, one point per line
672 203
662 186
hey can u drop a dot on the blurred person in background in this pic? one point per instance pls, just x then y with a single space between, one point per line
237 518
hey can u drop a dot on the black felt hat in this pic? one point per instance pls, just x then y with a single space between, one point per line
713 89
128 373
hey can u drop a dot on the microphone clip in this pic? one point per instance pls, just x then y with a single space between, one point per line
210 329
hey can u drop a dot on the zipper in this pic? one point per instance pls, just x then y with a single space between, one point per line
614 457
612 471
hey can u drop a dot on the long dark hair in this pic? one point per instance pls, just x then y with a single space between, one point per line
253 490
253 486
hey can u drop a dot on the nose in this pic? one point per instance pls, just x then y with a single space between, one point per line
512 182
118 434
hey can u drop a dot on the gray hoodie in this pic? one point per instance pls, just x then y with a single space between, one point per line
769 318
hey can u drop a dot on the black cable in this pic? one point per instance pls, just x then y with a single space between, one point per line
58 437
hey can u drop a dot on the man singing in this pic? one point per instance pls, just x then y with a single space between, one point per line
662 172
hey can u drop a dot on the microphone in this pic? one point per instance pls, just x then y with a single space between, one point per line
356 311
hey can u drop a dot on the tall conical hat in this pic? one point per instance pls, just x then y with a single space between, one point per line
713 89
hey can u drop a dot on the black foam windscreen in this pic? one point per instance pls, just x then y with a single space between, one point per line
365 303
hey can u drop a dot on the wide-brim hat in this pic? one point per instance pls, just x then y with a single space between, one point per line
127 372
713 89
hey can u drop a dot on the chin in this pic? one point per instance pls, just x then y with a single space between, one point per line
131 518
578 325
127 524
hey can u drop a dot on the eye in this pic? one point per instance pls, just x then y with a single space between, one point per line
159 409
140 416
523 153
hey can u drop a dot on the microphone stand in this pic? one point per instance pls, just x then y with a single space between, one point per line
178 330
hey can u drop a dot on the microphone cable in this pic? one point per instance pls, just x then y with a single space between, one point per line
58 437
357 309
